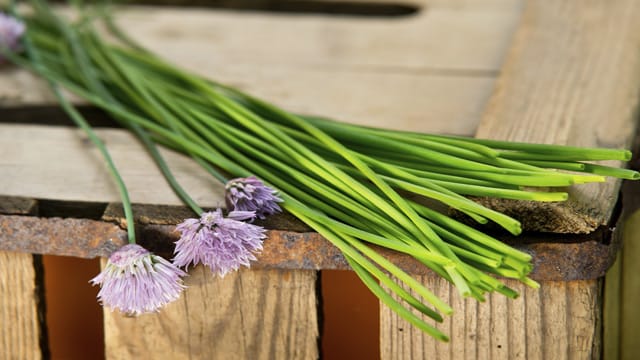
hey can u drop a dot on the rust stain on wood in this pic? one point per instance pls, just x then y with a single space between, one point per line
556 259
148 214
56 236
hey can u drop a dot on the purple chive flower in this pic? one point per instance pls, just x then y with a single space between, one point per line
251 194
136 281
11 31
222 244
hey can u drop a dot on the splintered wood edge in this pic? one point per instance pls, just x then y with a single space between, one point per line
566 81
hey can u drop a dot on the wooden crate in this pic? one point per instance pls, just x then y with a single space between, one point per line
562 72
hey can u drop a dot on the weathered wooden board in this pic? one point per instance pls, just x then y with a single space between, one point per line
561 258
558 321
612 319
356 69
246 315
68 167
365 70
622 287
22 328
571 77
20 323
630 291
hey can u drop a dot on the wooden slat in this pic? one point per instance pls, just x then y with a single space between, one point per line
351 62
31 153
335 42
611 317
253 314
571 77
19 319
622 289
558 321
60 163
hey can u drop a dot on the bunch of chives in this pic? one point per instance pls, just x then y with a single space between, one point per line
326 172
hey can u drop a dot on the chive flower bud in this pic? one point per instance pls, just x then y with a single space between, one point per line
136 281
11 31
251 194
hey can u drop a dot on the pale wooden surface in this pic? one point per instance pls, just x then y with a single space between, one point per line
246 315
354 69
61 163
622 292
559 321
19 324
630 290
571 77
612 319
387 72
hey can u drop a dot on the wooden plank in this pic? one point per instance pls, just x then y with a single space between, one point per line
68 167
450 101
335 42
621 316
20 328
246 315
347 59
612 318
350 61
571 77
558 321
82 175
283 249
630 290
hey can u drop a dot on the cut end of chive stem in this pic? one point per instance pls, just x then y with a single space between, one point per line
627 174
549 196
515 228
508 292
585 179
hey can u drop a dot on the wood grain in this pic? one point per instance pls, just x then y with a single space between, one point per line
19 319
362 69
558 321
611 316
622 288
31 153
67 166
571 77
253 314
359 70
